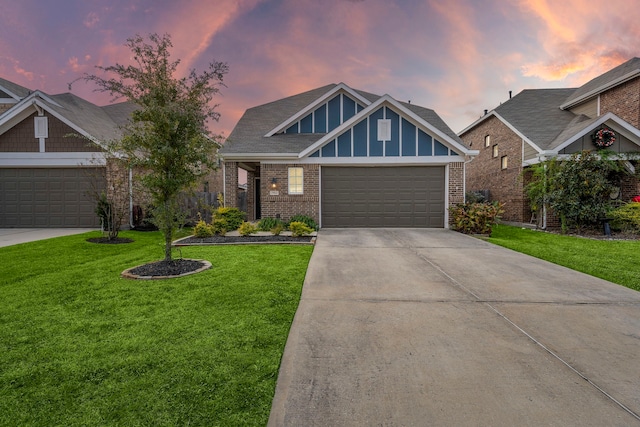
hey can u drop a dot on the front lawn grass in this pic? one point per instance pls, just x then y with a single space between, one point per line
81 346
617 261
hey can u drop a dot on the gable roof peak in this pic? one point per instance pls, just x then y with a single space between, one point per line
618 75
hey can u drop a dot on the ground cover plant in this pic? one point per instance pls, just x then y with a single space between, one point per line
617 261
81 346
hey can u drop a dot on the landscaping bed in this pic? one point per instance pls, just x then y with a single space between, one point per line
236 238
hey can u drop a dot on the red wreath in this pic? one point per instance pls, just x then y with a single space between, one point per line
604 138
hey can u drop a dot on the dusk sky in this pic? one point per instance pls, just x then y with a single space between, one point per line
457 57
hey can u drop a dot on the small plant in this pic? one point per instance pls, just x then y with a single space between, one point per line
277 229
233 217
307 220
474 197
219 226
266 224
627 217
247 228
299 229
202 229
475 218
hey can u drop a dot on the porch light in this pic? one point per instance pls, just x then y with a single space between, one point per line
274 182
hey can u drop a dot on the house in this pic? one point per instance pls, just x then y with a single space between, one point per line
52 158
347 158
540 124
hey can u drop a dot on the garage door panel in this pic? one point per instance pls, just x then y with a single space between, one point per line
383 196
48 197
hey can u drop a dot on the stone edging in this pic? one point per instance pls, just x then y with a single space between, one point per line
128 275
178 242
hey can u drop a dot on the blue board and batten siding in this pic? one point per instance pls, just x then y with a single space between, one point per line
328 116
361 140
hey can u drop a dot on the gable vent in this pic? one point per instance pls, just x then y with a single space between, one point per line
41 126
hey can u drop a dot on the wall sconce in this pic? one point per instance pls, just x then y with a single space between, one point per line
274 183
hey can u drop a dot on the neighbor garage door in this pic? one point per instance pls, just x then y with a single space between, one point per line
48 197
409 196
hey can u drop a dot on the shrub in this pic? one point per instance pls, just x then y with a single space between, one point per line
474 197
247 228
305 219
475 218
219 226
299 229
267 224
277 229
233 217
202 229
627 217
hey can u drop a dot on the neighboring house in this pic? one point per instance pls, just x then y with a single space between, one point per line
347 158
52 157
540 124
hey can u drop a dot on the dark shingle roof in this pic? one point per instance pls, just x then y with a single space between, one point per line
603 81
248 136
16 89
535 113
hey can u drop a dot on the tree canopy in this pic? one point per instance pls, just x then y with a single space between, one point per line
167 136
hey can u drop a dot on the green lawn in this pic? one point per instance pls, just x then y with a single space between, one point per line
81 346
614 260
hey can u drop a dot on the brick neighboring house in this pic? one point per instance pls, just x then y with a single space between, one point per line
539 124
347 158
47 173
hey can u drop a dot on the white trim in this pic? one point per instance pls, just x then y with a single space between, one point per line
446 196
601 120
317 103
372 161
601 89
8 101
386 101
598 106
16 160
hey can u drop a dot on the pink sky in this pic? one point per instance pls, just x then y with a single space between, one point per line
457 57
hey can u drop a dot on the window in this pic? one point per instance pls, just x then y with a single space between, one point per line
504 162
295 181
495 150
487 141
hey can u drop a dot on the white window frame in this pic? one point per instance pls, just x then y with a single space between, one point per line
296 180
384 129
487 141
504 162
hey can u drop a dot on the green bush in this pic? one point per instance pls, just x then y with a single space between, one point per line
299 229
277 229
247 228
202 229
267 224
219 226
627 217
305 219
233 217
475 218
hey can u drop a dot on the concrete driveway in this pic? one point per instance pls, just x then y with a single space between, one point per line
430 327
14 236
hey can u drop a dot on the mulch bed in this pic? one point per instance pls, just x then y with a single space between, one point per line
191 240
108 241
167 269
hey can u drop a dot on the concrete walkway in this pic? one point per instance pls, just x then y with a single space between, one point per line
14 236
431 327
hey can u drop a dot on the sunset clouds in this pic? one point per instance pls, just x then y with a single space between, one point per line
457 57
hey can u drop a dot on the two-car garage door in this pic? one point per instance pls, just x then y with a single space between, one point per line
405 196
49 197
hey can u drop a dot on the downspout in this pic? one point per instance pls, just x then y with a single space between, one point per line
544 205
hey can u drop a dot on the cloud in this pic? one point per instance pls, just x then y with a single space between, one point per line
91 20
579 41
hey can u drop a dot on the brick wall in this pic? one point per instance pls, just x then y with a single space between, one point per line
456 183
231 184
624 101
285 205
485 171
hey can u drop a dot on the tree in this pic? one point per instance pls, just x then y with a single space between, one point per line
167 135
577 189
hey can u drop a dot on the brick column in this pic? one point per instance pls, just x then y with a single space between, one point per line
231 184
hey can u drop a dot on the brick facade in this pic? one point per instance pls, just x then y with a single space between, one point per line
485 172
624 101
285 205
456 183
